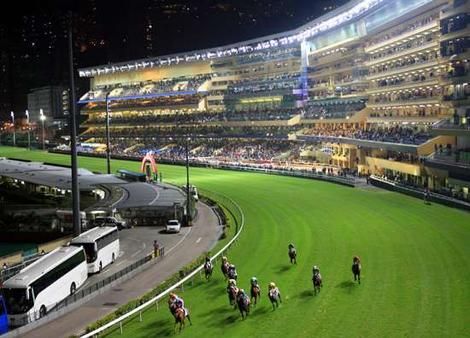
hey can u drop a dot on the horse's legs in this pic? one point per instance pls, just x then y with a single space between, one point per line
189 320
359 276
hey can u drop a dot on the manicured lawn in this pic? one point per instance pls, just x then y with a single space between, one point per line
416 260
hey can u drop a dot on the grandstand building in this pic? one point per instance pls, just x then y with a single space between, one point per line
381 84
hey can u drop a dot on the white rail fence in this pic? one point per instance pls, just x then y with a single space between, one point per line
154 301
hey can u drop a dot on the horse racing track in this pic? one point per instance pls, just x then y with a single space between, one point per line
415 261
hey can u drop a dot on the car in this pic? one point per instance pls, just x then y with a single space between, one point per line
173 225
110 221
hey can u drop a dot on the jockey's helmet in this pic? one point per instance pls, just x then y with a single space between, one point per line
232 266
272 285
232 281
253 279
241 291
224 258
172 295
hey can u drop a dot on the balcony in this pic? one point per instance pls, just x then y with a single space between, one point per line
405 119
402 86
399 70
398 147
430 45
432 26
447 127
425 101
457 34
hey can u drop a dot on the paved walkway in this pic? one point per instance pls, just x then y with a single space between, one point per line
202 237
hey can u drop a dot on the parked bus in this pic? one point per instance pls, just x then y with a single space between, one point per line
39 287
101 246
3 317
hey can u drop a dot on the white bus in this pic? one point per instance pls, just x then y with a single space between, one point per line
39 287
101 246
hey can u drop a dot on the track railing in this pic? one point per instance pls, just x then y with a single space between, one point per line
239 218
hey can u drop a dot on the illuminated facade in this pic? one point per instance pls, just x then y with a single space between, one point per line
373 80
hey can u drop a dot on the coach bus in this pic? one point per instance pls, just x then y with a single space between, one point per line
101 246
39 287
3 317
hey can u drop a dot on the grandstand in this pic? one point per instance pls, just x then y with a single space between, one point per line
384 84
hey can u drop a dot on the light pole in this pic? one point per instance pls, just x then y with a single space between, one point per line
188 193
29 129
73 136
42 117
14 130
108 150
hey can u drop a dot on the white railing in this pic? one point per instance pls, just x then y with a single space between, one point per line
155 300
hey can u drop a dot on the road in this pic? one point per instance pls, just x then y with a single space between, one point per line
201 237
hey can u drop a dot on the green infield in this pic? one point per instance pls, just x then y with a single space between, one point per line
415 258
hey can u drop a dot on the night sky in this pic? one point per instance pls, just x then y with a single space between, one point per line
33 34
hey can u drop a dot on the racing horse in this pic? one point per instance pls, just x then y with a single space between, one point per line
317 283
232 291
356 269
255 293
274 295
179 315
224 267
243 303
292 254
208 269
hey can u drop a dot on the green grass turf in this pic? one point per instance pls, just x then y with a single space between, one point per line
416 261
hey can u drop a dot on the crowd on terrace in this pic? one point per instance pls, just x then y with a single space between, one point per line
146 132
144 118
394 134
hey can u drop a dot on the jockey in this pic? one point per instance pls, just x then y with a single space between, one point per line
356 260
254 282
274 290
232 284
179 302
232 272
316 272
208 263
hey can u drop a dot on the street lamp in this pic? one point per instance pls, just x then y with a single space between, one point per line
29 129
42 117
14 131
